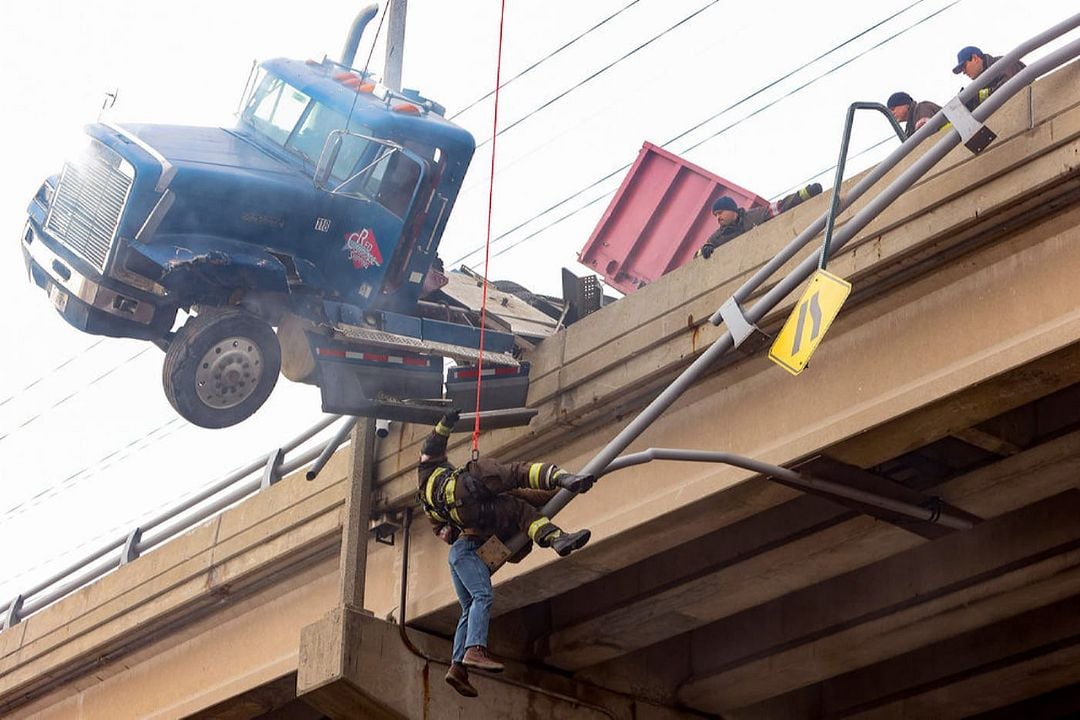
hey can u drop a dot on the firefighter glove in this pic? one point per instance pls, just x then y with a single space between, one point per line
707 250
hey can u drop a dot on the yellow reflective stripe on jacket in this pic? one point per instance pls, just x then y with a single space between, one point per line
448 494
429 487
442 429
534 476
451 501
427 499
537 525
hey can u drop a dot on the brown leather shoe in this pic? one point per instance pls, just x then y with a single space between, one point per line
458 678
477 657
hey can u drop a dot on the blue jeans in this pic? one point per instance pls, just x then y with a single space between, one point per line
472 582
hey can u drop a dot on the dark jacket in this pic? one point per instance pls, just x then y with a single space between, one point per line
484 496
919 111
987 90
747 219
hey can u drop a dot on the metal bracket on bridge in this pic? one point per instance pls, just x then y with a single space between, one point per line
740 328
975 135
272 471
384 526
11 617
130 550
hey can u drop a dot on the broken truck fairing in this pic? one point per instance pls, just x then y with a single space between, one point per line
320 214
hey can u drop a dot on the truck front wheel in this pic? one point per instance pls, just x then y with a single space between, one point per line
221 367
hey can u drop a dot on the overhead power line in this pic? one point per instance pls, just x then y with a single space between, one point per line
112 532
50 373
63 400
139 443
832 167
502 236
547 57
810 82
604 69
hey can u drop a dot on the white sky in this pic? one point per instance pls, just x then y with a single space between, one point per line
88 449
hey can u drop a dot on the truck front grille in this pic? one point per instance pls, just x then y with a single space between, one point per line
89 203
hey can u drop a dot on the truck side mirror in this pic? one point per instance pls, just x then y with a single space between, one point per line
327 159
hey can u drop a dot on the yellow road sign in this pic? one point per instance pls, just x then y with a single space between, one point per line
806 325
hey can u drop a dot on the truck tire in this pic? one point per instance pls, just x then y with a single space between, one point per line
221 367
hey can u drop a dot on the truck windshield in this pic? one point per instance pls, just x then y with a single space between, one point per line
289 118
364 166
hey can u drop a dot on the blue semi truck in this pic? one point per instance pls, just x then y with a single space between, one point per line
319 214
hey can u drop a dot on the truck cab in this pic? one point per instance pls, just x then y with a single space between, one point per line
320 213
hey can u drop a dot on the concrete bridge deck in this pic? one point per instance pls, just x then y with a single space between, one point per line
953 372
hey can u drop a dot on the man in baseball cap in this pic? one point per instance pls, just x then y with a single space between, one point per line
973 62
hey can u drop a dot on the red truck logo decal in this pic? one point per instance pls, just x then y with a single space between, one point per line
363 250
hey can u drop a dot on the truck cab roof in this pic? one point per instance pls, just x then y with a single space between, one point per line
385 117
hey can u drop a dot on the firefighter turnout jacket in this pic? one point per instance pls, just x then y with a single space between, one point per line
986 91
483 497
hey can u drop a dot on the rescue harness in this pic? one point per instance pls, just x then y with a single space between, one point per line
447 490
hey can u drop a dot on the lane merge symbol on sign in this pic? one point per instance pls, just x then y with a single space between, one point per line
809 321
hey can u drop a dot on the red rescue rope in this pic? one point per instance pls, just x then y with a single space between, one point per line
487 243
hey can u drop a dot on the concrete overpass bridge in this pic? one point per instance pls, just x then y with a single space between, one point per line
950 380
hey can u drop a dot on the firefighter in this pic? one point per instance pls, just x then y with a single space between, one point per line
973 62
468 505
905 110
734 220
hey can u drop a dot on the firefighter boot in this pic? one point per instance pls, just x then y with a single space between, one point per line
562 542
565 543
574 483
477 657
457 677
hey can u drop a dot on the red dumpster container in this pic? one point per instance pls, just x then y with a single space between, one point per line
658 219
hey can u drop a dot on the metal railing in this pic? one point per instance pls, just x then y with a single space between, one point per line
740 323
251 478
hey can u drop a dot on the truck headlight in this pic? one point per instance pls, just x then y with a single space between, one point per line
45 194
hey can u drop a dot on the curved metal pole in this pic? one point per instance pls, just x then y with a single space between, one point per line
406 526
331 446
793 478
845 141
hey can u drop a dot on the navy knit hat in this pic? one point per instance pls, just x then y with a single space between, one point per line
898 99
723 203
963 56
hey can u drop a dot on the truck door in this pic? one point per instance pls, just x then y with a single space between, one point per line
375 188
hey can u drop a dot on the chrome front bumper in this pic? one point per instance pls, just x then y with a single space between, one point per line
66 281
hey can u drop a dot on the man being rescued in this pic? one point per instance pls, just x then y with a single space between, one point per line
466 506
733 220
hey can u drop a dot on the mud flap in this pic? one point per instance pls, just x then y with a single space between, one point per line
360 381
402 386
502 388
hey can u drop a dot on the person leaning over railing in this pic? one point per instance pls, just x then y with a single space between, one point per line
973 62
734 220
913 114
